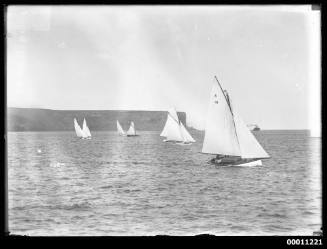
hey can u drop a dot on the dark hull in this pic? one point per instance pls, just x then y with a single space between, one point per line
235 162
169 141
177 142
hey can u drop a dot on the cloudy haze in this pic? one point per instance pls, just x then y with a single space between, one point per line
152 58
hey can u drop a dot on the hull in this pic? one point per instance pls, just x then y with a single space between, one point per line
241 162
169 141
132 135
182 143
176 142
249 164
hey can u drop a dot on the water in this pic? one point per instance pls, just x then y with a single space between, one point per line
112 185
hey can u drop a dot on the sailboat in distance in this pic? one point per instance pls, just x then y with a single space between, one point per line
86 131
78 130
226 134
131 131
82 133
120 129
174 130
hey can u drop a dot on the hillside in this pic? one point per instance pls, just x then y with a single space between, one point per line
30 119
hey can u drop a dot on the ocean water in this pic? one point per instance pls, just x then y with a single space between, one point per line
113 185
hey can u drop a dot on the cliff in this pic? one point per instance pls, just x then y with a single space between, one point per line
30 119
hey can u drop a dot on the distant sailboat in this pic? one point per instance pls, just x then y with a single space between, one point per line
174 130
86 130
227 136
253 127
82 133
120 129
131 131
78 130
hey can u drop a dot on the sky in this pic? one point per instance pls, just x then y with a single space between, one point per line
157 57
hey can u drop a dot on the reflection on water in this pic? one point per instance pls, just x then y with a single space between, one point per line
113 185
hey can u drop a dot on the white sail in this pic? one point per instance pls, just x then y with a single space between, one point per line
131 131
165 129
78 129
172 116
220 134
186 135
250 147
120 129
86 129
174 131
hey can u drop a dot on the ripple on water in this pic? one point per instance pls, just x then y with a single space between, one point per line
115 186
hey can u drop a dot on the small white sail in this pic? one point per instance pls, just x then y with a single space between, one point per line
186 135
131 131
120 129
172 129
78 129
165 129
220 134
172 116
86 129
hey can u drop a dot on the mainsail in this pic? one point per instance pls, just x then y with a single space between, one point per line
120 129
78 129
220 136
86 129
174 130
131 131
225 132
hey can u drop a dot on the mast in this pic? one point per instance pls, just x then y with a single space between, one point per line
223 91
230 107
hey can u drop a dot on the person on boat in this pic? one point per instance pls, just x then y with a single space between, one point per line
228 100
217 159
